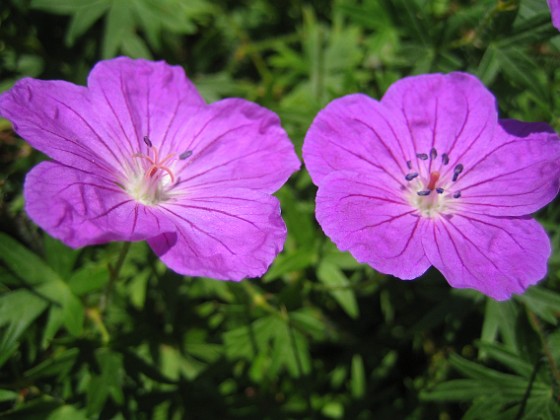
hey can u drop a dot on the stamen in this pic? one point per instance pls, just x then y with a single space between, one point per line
445 158
458 169
439 190
433 153
434 177
411 176
457 194
424 193
409 164
185 155
422 156
147 141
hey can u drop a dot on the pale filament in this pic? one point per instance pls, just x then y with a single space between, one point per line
156 163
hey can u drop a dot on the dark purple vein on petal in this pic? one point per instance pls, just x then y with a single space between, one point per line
116 206
389 220
211 210
465 266
397 162
474 219
434 128
129 109
371 197
395 137
109 149
191 224
397 180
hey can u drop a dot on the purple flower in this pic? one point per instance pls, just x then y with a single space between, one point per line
554 6
138 155
430 176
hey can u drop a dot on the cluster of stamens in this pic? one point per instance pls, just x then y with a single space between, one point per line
427 190
156 177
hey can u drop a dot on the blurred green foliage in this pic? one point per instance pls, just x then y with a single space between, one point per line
319 336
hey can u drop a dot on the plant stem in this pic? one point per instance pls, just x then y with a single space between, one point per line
114 272
537 326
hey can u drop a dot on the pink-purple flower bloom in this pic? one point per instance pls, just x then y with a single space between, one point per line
430 176
554 6
138 155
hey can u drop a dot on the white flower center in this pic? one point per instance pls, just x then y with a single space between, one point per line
151 177
431 190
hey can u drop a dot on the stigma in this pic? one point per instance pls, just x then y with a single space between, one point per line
430 185
151 176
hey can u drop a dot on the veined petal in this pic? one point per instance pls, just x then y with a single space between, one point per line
233 143
518 177
453 114
81 209
377 227
554 6
56 118
137 98
225 234
357 133
496 256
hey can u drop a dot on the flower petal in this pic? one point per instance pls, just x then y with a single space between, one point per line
518 177
554 6
233 143
377 226
496 256
80 209
225 234
137 98
357 133
55 117
454 114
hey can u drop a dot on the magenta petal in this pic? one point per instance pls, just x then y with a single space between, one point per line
518 177
453 113
137 98
357 133
554 6
234 143
55 117
225 234
377 227
80 209
496 256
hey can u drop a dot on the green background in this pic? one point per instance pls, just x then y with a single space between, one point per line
319 336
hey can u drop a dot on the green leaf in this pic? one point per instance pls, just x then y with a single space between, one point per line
73 312
543 302
59 257
358 378
67 412
109 383
8 395
84 18
89 278
62 7
18 309
338 287
119 25
25 264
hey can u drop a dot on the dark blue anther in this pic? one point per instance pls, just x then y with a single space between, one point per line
411 176
147 141
456 171
433 153
424 193
185 155
439 190
445 158
422 156
457 194
409 164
